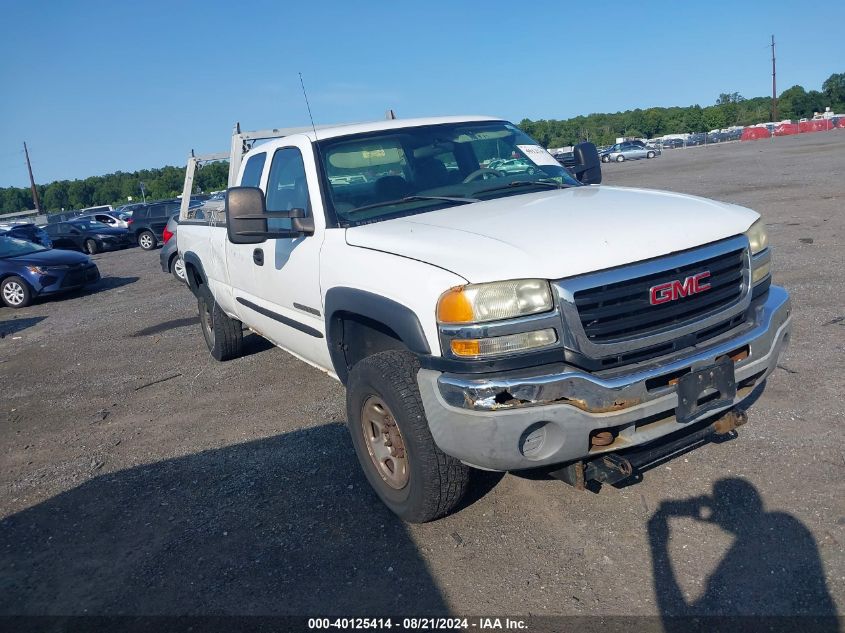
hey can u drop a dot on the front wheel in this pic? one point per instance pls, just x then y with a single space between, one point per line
147 240
91 247
15 292
650 155
390 434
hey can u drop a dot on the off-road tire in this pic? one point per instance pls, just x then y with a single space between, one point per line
437 481
147 241
224 335
15 292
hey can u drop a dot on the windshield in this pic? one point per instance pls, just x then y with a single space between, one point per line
392 173
12 247
90 225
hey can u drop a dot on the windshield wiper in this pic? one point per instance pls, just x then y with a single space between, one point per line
387 203
524 183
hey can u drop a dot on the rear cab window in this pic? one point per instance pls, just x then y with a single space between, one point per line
253 170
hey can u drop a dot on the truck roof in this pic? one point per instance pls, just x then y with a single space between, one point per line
389 124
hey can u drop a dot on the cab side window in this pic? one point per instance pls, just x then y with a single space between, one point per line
253 170
287 187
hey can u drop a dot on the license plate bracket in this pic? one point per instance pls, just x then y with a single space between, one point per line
718 380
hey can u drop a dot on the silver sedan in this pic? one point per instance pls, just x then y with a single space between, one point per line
622 152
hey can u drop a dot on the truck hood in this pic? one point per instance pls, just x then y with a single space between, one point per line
555 234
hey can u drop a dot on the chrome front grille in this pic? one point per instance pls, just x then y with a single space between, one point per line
610 313
623 309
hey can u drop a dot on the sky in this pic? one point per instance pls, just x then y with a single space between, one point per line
96 87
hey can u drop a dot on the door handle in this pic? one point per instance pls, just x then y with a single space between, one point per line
258 256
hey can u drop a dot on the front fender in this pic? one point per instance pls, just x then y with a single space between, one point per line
399 318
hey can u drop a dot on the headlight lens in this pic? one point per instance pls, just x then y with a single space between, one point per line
758 238
761 272
479 303
38 270
498 345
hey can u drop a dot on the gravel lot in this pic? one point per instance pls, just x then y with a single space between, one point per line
139 476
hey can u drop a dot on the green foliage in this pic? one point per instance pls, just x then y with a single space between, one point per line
114 189
834 91
731 108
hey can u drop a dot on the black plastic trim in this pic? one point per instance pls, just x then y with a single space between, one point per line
524 361
399 318
192 259
307 329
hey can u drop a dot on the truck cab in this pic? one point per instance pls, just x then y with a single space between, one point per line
485 318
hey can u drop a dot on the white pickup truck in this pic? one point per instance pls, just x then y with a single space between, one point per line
501 319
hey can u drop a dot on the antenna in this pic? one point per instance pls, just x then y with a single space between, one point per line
308 105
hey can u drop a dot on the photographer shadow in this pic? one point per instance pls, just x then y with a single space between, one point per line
772 569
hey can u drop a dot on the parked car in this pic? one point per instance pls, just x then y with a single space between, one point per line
213 207
115 219
26 231
128 209
55 218
567 159
29 270
88 236
148 222
515 166
629 150
169 256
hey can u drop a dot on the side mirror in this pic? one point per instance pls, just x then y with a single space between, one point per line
246 219
247 215
587 164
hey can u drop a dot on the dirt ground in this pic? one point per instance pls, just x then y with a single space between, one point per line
139 476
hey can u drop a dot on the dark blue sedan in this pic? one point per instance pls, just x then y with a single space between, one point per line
28 270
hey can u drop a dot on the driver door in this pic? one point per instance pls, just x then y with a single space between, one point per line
280 296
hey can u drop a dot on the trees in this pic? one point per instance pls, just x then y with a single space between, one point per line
834 91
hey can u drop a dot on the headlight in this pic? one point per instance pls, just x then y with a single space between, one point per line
498 345
37 270
479 303
759 273
758 238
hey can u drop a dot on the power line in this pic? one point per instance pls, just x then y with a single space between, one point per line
774 85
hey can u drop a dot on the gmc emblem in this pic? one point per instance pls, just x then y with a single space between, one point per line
674 290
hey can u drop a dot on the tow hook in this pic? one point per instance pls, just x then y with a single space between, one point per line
613 468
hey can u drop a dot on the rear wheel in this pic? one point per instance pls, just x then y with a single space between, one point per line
147 240
223 335
15 292
390 433
620 159
91 247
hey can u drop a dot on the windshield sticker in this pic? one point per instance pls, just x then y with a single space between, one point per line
538 155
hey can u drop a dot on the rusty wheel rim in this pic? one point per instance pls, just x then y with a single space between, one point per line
384 443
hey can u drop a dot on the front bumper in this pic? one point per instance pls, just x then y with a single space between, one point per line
532 418
64 280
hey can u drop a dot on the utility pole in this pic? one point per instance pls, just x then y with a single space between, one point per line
32 180
774 85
